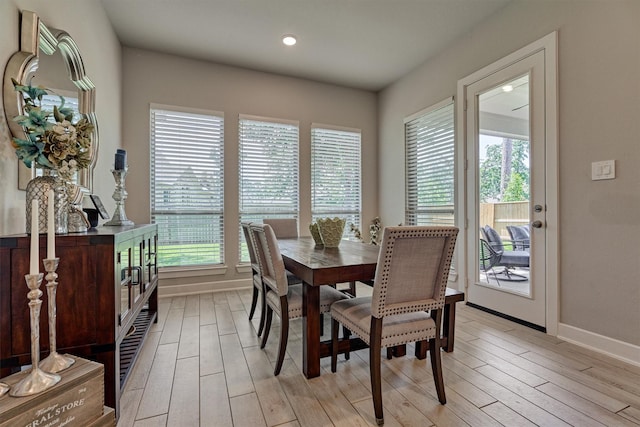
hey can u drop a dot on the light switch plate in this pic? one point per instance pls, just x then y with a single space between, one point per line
605 169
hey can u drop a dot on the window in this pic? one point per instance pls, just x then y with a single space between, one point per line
429 141
335 174
187 186
268 180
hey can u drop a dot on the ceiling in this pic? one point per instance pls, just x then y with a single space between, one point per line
364 44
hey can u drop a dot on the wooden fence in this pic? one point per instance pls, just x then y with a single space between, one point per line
499 215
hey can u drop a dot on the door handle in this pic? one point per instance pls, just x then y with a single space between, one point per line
536 224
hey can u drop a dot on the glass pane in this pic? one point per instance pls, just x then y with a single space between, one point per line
504 187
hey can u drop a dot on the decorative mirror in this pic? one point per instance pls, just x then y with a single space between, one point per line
50 58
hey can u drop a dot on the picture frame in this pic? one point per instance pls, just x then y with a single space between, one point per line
99 206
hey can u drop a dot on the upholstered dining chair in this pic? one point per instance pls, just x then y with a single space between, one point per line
284 228
407 301
283 299
256 275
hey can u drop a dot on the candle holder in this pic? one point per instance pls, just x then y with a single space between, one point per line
119 195
36 380
54 362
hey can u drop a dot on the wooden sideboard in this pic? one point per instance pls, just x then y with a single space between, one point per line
107 298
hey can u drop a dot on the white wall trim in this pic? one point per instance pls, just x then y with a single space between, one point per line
617 349
165 291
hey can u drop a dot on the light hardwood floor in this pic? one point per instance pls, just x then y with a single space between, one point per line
201 365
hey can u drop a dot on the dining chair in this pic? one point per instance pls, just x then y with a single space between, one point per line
284 228
406 304
256 275
283 299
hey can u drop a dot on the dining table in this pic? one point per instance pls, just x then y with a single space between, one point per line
319 266
351 261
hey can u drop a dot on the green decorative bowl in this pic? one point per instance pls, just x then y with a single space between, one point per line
331 230
315 233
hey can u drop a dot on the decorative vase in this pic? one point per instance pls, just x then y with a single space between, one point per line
315 233
331 230
38 188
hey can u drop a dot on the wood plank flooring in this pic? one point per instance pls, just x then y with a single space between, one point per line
201 365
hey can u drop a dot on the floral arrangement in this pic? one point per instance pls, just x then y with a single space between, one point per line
374 231
53 141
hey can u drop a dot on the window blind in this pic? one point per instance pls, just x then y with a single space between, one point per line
187 187
429 141
268 172
336 174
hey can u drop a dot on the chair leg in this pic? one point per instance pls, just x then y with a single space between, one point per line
434 355
346 334
335 326
267 326
352 289
321 324
263 312
284 333
254 302
375 361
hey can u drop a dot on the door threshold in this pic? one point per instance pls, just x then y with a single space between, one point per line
511 318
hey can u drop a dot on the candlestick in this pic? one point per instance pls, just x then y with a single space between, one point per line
36 380
119 195
35 239
51 232
54 362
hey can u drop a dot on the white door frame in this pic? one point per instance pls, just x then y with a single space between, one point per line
549 45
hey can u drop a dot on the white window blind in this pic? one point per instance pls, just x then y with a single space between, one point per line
268 171
336 174
187 187
429 140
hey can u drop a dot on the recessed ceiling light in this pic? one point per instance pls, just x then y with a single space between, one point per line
507 88
289 39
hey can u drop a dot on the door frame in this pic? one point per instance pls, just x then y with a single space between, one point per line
548 45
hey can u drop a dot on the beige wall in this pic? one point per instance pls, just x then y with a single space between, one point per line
150 77
599 119
87 23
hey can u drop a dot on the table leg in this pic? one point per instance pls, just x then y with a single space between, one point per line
310 330
448 326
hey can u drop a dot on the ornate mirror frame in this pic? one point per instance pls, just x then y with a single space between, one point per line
37 38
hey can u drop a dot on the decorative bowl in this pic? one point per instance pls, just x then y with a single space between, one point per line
315 233
331 230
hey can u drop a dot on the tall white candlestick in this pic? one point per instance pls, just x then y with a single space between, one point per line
35 237
51 232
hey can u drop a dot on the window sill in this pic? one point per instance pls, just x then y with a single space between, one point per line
178 272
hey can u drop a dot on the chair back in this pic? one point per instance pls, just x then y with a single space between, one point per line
488 256
274 274
494 239
284 228
413 269
246 229
520 236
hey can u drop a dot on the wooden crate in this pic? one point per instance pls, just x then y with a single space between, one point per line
77 400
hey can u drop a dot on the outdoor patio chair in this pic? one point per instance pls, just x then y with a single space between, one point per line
508 259
520 237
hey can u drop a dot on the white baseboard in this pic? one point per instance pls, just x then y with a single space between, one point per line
165 291
617 349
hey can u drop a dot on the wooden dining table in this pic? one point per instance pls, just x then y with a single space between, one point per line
318 266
